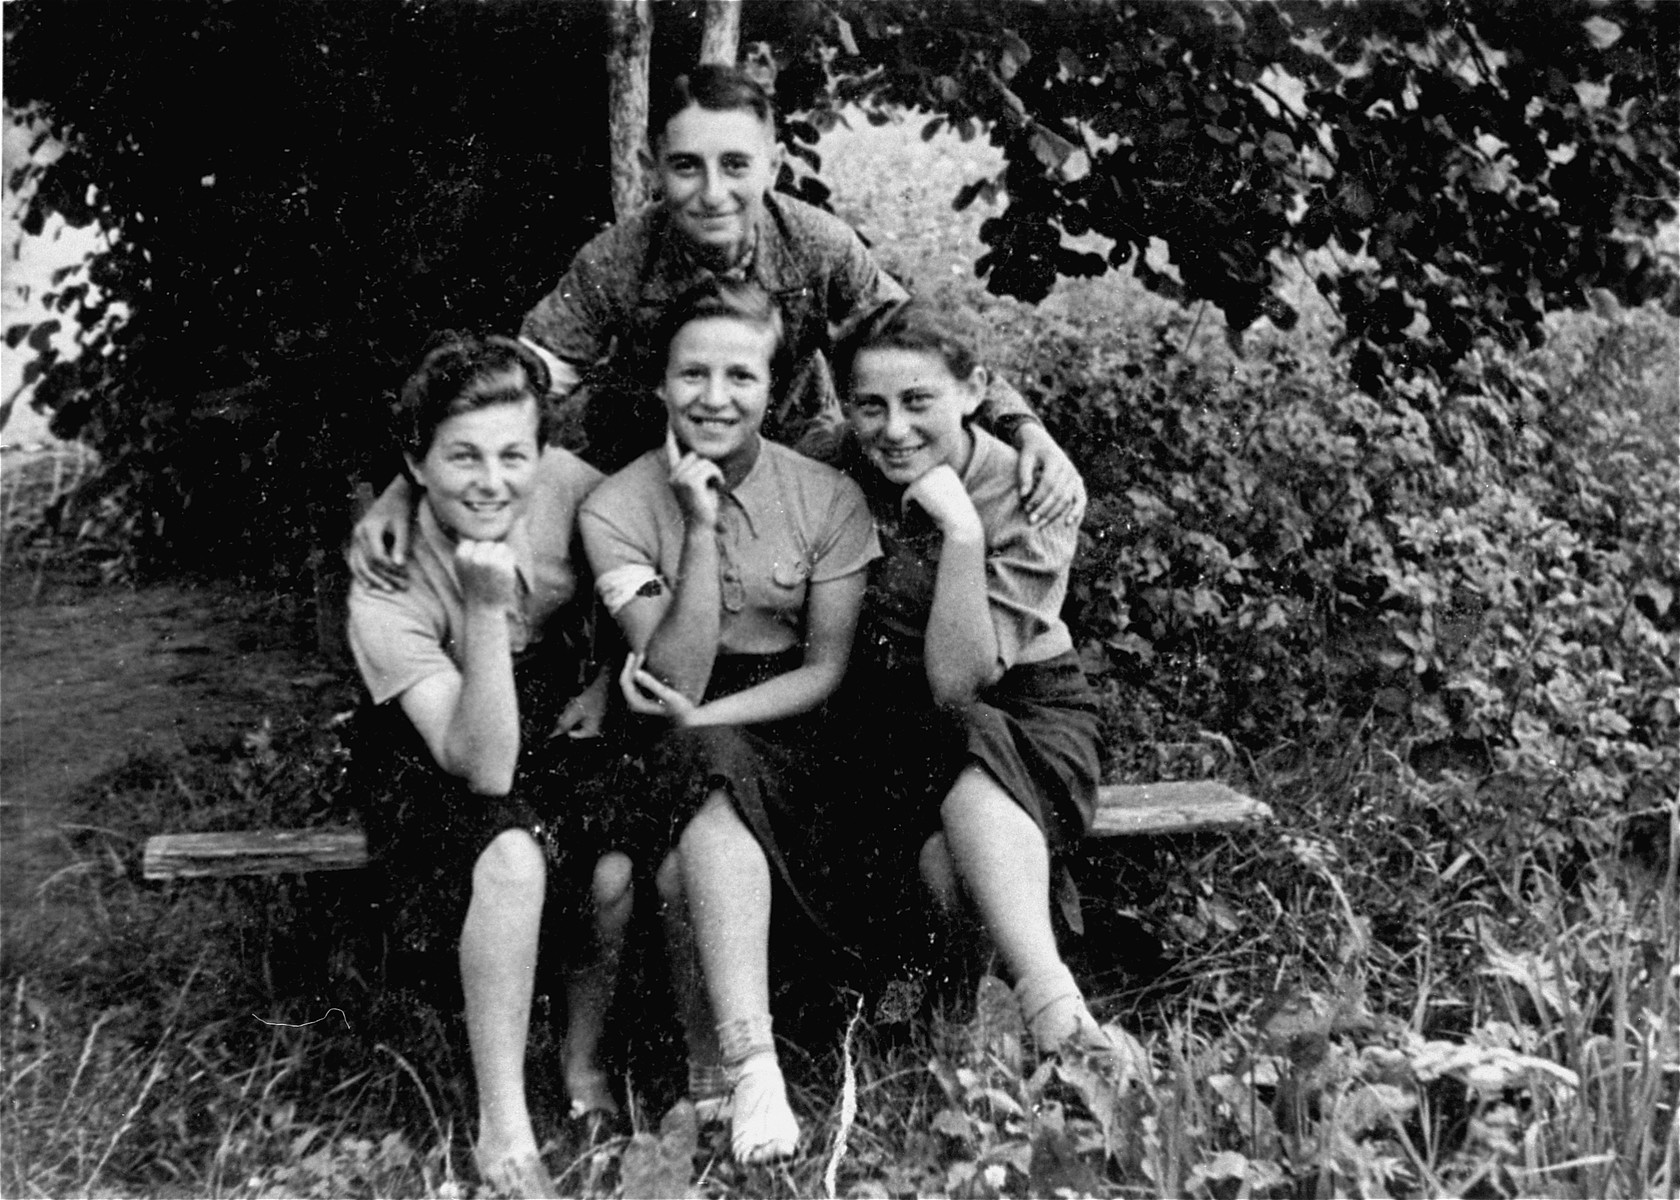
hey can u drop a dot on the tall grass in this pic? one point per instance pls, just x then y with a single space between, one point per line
1508 1033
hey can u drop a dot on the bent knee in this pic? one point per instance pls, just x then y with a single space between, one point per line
714 818
972 795
611 884
938 871
511 862
668 880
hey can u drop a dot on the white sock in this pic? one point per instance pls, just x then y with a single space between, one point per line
762 1127
709 1089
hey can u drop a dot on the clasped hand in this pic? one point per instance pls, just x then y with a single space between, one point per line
585 712
488 573
651 696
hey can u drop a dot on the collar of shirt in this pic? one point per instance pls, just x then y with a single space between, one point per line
442 547
756 490
674 267
982 457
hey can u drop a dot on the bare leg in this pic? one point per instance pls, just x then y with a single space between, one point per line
589 989
498 968
726 882
1000 855
708 1085
940 875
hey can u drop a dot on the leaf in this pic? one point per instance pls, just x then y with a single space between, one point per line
843 31
1604 33
40 338
998 1029
967 193
1050 147
1056 1167
663 1165
1012 55
15 335
948 1121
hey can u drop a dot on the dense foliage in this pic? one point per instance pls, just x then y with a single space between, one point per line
1489 582
377 170
299 193
1474 166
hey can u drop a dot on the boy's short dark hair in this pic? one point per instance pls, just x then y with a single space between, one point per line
462 372
715 88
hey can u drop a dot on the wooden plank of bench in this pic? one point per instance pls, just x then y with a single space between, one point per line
1123 810
252 852
1135 809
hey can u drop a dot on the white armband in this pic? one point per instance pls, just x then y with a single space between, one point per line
621 585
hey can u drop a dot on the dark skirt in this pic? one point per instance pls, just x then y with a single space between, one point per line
772 773
1036 732
426 829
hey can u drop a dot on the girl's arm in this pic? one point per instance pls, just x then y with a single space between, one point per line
960 649
831 618
470 720
675 623
682 646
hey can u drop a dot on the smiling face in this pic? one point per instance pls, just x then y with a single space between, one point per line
714 169
716 388
908 411
478 469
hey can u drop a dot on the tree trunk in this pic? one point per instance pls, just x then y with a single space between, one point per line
720 42
630 23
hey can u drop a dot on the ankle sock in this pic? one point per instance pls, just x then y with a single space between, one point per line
761 1124
709 1089
590 1091
1055 1011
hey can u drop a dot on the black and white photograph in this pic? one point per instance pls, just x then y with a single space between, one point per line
861 599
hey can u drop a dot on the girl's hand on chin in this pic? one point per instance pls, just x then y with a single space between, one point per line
941 494
698 484
488 573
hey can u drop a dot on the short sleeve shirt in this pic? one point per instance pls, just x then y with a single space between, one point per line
1026 565
790 523
401 638
606 308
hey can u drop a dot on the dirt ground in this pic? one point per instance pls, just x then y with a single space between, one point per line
91 674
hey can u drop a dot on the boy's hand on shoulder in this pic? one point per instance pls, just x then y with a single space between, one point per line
1051 489
377 552
944 498
488 573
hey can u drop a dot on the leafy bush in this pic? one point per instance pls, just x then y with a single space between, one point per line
1486 570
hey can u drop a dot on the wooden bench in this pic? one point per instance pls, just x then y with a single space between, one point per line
1123 810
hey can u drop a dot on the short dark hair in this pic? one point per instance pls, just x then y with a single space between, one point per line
462 372
905 325
715 88
745 302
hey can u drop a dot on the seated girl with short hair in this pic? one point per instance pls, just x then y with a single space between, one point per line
971 713
482 815
736 569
